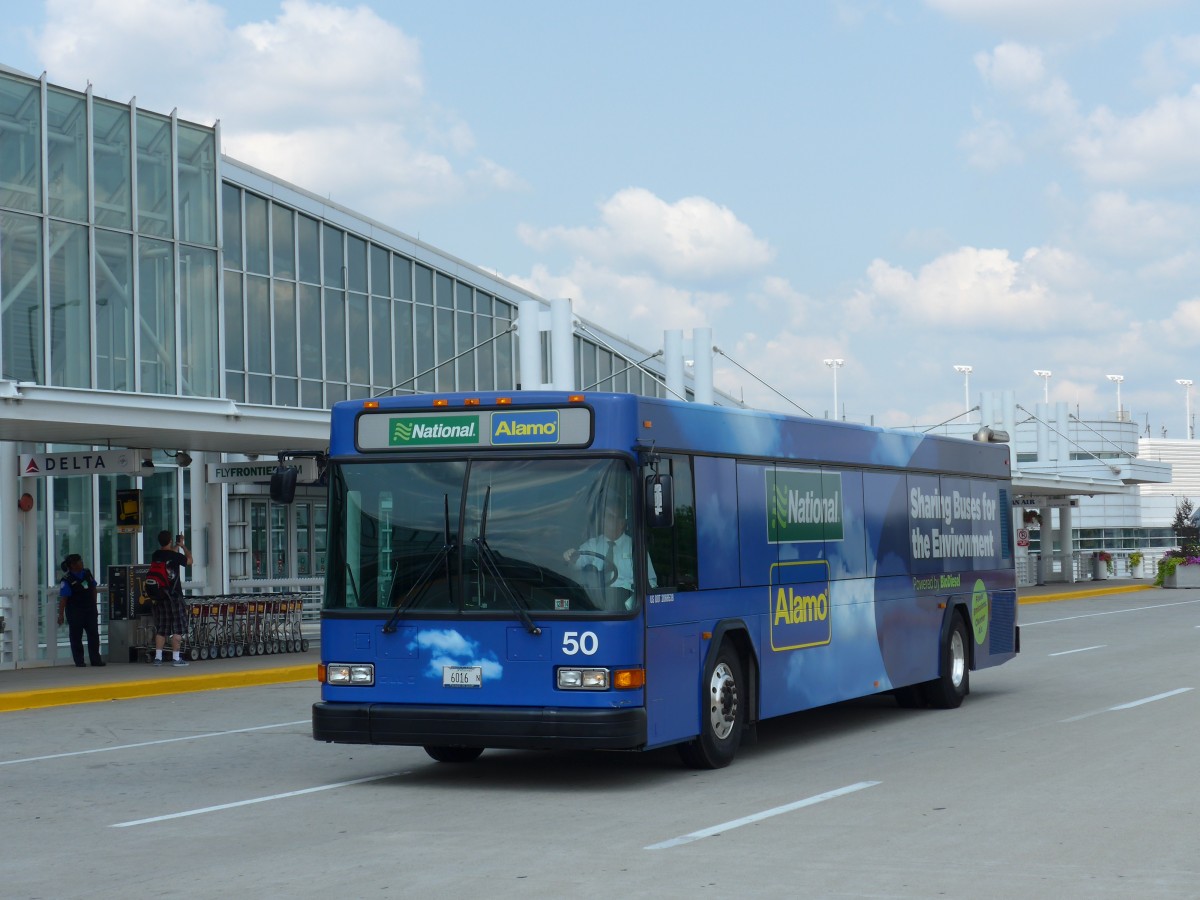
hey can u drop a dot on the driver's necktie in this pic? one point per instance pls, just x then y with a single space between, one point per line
610 562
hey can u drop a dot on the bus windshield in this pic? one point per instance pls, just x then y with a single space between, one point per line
482 536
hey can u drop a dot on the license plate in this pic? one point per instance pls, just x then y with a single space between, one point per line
462 676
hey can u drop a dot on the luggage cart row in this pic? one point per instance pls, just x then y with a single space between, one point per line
233 625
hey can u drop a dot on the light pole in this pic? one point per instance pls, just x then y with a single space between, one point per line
1117 379
1187 395
835 364
1044 374
965 372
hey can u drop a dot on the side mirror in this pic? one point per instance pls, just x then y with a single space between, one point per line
660 501
283 484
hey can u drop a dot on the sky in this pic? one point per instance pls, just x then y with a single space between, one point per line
1010 185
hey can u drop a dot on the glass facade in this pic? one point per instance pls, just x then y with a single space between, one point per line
314 314
133 259
77 310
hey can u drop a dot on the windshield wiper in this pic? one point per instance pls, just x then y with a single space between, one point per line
492 567
422 580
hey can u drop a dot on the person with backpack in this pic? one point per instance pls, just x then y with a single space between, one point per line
77 603
170 610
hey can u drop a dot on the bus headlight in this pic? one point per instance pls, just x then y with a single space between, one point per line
350 673
583 679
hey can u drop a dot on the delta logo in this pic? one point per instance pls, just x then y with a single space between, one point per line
803 506
525 427
433 431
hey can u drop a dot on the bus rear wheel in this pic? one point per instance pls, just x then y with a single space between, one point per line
454 754
722 714
954 681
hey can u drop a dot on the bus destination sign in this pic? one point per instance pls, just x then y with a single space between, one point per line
398 430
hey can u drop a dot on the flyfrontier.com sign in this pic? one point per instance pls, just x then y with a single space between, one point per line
803 506
428 431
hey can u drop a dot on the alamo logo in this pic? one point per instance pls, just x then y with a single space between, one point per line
527 427
430 431
799 610
803 506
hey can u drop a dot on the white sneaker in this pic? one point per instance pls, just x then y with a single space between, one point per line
179 662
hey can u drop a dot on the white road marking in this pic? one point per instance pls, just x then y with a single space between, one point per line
1150 699
236 804
190 737
1080 650
1131 705
758 817
1111 612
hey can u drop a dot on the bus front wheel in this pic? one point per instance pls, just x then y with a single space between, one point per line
722 714
454 754
954 683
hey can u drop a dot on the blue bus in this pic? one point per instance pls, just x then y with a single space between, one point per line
547 570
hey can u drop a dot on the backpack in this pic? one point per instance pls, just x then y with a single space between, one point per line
160 584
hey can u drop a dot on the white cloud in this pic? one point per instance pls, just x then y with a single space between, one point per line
987 289
1012 67
173 38
1155 146
298 95
638 307
1182 327
691 238
1143 228
991 145
1020 71
1042 19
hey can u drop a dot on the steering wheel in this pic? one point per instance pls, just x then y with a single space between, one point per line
607 569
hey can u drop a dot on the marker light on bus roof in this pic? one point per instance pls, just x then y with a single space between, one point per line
441 402
504 401
471 401
371 404
575 398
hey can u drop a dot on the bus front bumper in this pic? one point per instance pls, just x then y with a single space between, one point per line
504 727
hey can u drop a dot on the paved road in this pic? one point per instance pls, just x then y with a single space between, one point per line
1069 773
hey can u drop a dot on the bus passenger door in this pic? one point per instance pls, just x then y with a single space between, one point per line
673 657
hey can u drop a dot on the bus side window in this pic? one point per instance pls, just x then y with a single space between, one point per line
673 550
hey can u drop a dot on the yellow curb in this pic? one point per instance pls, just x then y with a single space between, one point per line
1079 595
17 700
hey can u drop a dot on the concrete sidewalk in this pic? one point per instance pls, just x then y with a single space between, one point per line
62 685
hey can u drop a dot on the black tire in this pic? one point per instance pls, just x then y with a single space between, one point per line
454 754
954 665
722 714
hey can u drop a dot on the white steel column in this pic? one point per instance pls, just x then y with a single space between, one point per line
562 344
673 363
702 373
529 335
1065 543
10 492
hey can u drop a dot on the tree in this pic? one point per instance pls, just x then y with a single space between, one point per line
1185 529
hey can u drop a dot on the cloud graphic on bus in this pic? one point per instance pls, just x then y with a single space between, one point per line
452 649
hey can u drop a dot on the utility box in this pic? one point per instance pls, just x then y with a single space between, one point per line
127 592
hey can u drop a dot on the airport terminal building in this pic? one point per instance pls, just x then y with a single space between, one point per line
170 320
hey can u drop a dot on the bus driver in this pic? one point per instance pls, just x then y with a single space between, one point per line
611 555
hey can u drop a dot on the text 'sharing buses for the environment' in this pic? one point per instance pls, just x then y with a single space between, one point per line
608 571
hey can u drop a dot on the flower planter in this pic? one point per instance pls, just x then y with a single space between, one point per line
1137 570
1183 577
1099 570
